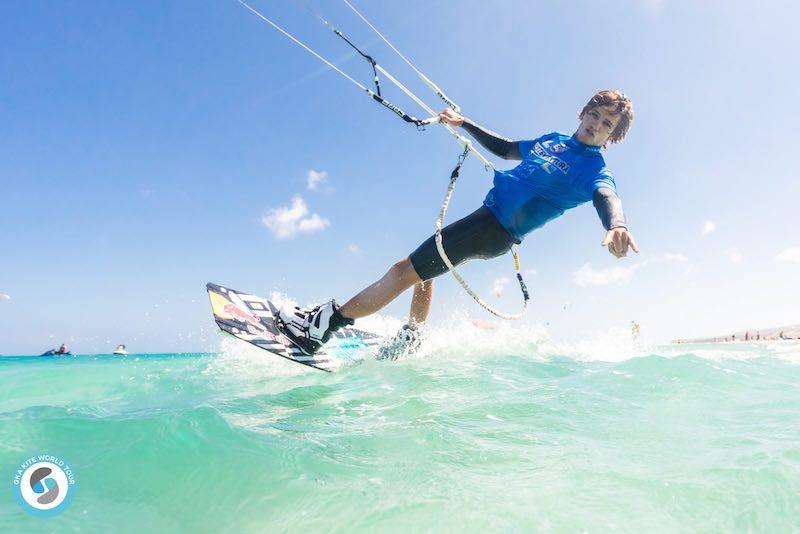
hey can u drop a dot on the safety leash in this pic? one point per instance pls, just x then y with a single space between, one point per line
440 247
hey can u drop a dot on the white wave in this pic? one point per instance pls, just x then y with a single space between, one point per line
242 360
613 345
787 350
463 338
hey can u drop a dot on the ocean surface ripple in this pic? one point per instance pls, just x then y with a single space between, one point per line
471 435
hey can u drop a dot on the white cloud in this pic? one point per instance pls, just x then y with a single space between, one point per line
708 227
789 255
667 257
315 223
316 179
355 250
5 296
586 276
499 285
287 221
734 255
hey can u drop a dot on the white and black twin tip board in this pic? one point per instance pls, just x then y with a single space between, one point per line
252 319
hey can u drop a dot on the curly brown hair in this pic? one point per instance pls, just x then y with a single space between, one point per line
622 106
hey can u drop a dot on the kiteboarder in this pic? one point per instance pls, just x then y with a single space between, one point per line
557 172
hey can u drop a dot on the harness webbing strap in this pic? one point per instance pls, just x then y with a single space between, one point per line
369 59
435 88
440 247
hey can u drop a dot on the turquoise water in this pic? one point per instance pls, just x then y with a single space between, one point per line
472 435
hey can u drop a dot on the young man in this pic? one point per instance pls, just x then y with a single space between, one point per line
557 172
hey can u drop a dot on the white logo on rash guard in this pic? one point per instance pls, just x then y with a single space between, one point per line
542 154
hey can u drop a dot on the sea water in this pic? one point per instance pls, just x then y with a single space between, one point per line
484 430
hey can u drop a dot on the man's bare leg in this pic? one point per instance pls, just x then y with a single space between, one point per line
397 279
421 302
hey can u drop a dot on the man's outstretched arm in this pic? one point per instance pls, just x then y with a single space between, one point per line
609 208
496 144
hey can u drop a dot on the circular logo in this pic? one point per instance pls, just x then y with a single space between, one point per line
44 484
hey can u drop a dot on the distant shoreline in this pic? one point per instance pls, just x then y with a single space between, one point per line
779 333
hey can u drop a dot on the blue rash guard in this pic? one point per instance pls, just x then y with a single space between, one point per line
557 173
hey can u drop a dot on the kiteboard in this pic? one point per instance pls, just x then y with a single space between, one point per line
252 319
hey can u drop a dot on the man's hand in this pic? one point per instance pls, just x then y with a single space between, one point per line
618 240
448 116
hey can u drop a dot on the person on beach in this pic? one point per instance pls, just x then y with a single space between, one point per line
557 172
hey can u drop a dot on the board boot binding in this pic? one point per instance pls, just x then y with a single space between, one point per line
404 343
311 328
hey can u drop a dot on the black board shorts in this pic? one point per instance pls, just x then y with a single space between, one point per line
478 235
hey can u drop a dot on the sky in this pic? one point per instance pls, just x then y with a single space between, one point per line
149 147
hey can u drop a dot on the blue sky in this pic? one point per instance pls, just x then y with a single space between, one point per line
147 148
